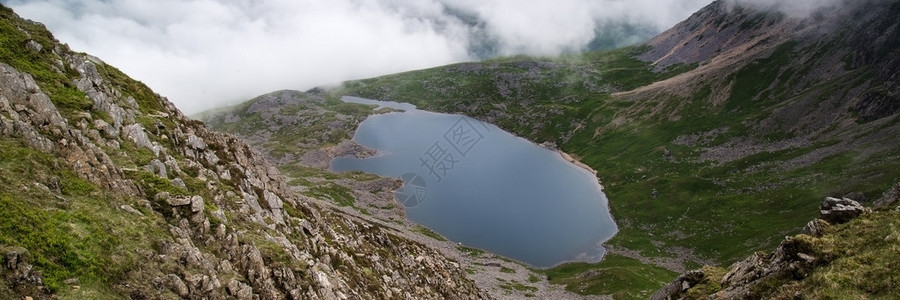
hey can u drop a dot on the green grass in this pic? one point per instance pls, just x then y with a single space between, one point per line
70 230
858 260
517 286
429 233
473 252
622 277
339 194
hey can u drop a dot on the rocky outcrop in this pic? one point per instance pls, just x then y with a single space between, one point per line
679 285
21 277
229 227
793 259
837 211
890 199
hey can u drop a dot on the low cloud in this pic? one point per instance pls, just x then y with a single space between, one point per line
208 53
793 8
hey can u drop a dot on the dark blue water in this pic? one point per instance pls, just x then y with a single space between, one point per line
486 188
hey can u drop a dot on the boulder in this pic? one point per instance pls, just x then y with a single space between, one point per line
681 284
178 201
814 228
890 198
33 46
196 204
837 211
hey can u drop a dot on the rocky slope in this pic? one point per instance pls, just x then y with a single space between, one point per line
108 191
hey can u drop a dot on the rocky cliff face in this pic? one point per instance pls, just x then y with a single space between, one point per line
108 191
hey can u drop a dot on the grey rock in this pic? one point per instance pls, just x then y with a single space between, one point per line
815 227
179 183
837 211
890 197
239 290
177 285
196 142
23 93
162 196
33 46
135 132
196 204
680 285
273 200
159 168
178 201
130 209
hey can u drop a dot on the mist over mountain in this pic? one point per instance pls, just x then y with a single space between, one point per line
203 54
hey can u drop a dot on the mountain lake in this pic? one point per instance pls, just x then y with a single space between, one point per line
485 188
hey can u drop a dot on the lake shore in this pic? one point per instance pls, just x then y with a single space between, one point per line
571 159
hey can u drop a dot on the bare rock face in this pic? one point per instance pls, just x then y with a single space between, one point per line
837 211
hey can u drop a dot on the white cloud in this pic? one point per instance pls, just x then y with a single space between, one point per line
206 53
793 8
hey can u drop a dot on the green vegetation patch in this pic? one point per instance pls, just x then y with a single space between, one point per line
428 232
473 252
334 192
70 228
517 286
619 276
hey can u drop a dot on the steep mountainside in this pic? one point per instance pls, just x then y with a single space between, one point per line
107 191
714 140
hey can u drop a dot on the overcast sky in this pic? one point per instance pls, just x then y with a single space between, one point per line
207 53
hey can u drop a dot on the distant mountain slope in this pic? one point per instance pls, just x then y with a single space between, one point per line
108 192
